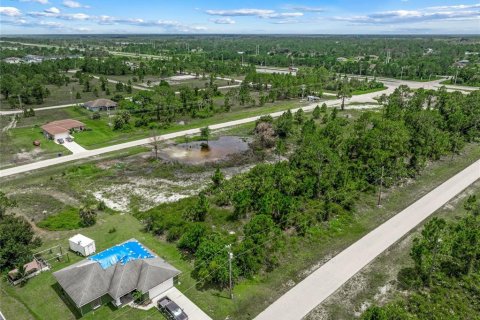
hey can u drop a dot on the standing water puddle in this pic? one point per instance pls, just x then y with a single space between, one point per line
193 153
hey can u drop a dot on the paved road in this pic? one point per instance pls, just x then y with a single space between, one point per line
365 98
11 112
306 295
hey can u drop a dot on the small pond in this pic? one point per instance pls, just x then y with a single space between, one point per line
196 153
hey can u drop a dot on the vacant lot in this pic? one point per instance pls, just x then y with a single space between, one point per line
376 283
68 95
150 81
299 257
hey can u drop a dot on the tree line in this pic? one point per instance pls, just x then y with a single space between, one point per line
333 163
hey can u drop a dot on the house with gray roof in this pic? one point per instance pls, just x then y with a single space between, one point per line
100 105
113 275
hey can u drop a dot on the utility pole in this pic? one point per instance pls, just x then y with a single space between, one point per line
19 101
230 258
380 188
456 75
401 73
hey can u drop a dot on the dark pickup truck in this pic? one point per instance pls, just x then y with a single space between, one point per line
171 309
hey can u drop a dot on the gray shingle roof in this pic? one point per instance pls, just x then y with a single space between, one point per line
86 281
100 103
155 271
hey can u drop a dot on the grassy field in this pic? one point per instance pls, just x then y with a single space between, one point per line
450 82
61 95
192 83
16 147
67 219
358 92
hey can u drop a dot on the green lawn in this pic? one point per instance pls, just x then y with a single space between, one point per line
359 92
43 301
102 135
16 147
68 219
450 82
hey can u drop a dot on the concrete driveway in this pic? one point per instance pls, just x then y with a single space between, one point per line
193 312
73 147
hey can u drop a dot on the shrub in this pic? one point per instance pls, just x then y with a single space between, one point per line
88 216
101 205
174 233
96 115
65 220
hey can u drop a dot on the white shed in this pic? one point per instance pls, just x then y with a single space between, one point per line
81 244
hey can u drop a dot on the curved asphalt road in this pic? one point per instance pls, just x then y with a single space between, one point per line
313 290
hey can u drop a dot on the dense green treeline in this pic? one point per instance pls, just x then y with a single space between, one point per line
25 83
333 162
405 57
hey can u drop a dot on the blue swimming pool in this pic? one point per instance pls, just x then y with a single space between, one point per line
123 253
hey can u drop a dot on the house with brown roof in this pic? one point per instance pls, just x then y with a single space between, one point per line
61 129
100 105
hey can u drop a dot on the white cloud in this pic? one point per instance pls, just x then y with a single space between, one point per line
282 15
226 20
410 16
306 8
456 7
10 12
240 12
261 13
52 10
37 1
50 24
74 16
73 4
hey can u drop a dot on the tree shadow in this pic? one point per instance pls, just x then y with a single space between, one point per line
56 287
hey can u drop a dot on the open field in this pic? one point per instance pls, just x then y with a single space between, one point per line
175 84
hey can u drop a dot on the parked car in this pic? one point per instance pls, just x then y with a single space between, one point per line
69 139
61 141
171 309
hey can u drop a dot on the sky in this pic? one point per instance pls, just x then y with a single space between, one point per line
239 17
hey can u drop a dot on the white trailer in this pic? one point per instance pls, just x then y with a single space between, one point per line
82 245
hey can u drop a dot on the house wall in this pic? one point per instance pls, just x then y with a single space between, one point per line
89 306
161 288
62 135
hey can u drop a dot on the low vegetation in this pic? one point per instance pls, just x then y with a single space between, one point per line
445 277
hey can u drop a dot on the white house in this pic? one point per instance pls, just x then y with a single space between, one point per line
81 244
